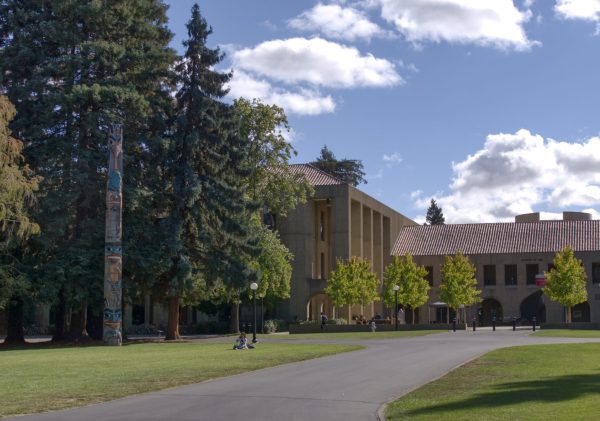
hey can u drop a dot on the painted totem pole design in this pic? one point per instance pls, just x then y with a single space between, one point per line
113 250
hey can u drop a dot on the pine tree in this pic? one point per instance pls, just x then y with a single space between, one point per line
347 170
209 215
72 68
434 214
17 187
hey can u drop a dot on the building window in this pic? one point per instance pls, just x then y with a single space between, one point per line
322 226
596 273
429 275
510 274
489 274
322 265
531 271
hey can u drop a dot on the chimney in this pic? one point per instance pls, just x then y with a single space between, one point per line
577 216
528 217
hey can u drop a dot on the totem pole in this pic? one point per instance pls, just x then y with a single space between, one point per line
113 251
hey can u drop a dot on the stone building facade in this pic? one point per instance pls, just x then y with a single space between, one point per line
508 257
340 221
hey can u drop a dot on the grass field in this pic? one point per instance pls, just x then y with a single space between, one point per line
360 336
541 382
569 333
42 379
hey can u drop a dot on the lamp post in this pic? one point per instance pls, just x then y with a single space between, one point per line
262 314
396 288
254 287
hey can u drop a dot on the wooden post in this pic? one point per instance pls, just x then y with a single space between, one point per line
113 251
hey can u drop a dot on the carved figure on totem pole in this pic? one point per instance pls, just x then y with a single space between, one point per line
113 252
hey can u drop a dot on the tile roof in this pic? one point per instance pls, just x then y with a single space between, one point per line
315 176
497 238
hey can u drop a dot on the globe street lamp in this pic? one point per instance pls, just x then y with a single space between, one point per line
254 287
396 288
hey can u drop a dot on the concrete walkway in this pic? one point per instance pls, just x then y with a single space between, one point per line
350 386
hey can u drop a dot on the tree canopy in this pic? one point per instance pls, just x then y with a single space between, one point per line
347 170
566 281
435 216
459 285
352 282
413 289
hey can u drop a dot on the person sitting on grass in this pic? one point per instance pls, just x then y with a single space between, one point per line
242 342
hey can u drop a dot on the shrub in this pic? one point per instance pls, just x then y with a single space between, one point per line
338 321
276 325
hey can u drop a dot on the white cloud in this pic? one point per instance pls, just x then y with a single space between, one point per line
304 101
394 158
338 22
496 23
316 62
515 173
578 9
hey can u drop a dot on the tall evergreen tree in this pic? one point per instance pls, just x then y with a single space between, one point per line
209 215
17 186
72 68
435 215
347 170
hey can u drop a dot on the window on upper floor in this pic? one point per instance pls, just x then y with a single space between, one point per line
596 273
530 272
429 275
510 274
489 274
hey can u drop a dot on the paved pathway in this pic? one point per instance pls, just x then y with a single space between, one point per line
350 386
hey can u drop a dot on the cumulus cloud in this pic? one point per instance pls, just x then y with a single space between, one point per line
495 23
303 101
578 9
335 21
515 173
317 62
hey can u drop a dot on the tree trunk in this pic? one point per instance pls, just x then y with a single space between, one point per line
14 312
77 329
59 322
172 332
413 316
234 325
568 315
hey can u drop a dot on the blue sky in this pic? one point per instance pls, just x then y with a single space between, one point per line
491 107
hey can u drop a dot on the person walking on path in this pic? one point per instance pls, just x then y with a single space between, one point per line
323 321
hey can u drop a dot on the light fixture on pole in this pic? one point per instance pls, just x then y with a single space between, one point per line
262 314
396 288
254 287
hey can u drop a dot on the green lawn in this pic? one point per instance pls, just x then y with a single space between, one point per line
541 382
43 379
363 335
569 333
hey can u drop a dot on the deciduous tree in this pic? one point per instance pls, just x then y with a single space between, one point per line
413 289
566 281
352 282
459 285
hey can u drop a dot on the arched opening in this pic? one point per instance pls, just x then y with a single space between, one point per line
317 303
490 308
581 313
533 306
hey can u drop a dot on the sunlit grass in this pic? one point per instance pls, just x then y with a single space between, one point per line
42 379
541 382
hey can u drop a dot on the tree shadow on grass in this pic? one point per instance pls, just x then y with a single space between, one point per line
555 389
